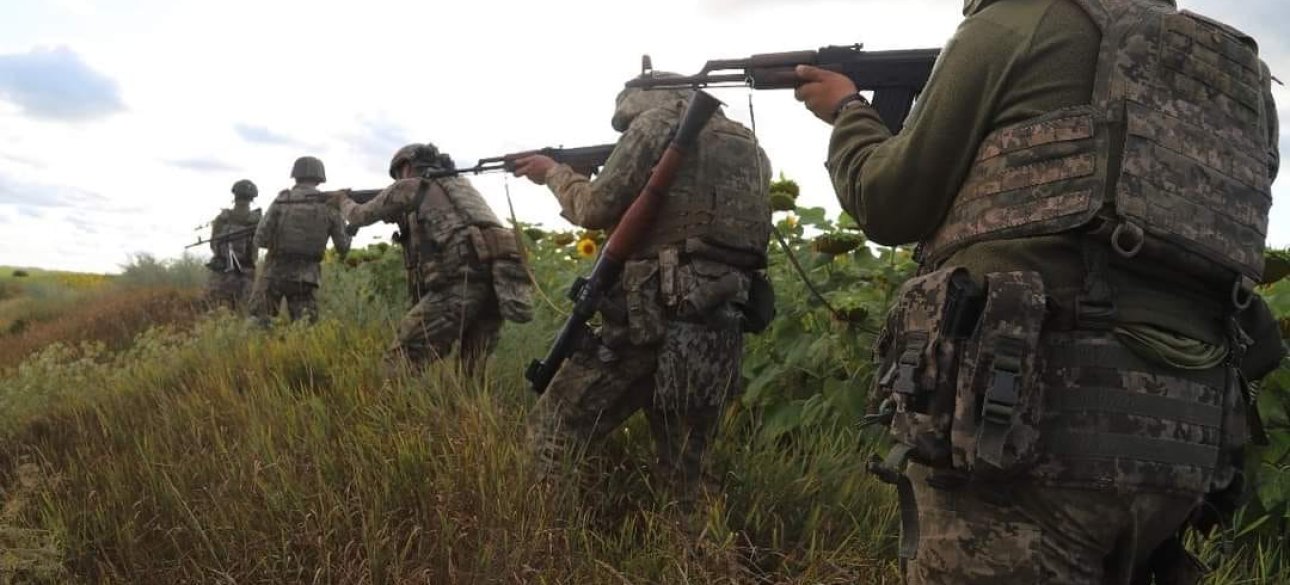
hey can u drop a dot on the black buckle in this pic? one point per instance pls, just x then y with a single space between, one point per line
1001 399
907 366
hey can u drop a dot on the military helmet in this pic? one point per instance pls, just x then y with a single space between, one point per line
421 156
245 189
633 101
308 168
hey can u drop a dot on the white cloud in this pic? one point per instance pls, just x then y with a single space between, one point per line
240 88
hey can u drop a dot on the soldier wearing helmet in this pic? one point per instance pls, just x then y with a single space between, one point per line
295 230
672 335
465 272
232 262
1094 224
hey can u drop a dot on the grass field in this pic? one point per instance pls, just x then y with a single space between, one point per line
208 451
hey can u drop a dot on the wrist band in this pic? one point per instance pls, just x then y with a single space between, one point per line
847 101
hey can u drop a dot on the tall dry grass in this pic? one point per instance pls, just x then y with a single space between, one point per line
215 452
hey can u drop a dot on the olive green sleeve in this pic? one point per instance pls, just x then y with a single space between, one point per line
597 204
899 188
388 206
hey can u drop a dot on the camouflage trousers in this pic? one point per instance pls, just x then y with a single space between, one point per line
682 385
1022 533
463 316
269 294
229 289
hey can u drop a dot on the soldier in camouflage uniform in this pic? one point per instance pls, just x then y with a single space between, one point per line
672 333
465 271
295 232
1089 182
232 262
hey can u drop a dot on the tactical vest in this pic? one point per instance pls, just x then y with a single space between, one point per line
1170 160
442 211
719 200
243 249
304 224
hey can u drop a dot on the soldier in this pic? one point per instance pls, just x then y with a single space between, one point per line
1102 169
672 333
295 232
232 262
465 271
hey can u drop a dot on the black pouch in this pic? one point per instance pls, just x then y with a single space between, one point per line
920 360
1000 399
759 311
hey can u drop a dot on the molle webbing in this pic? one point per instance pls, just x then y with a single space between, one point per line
720 196
1038 177
1114 418
1194 170
1173 150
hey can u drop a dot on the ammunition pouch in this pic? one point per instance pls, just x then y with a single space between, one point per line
1000 402
959 370
645 320
498 248
919 355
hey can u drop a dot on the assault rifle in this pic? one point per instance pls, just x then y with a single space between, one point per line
237 234
632 229
586 160
895 77
356 195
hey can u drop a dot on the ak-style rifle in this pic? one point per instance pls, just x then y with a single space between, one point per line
236 234
895 77
586 160
632 230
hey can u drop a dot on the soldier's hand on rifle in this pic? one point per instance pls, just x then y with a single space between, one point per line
822 91
335 198
534 167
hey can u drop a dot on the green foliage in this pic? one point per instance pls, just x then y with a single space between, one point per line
1273 493
146 271
812 367
220 452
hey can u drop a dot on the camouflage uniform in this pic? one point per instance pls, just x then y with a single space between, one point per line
1061 411
232 263
295 231
671 339
465 271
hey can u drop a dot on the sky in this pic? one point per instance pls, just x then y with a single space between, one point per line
124 123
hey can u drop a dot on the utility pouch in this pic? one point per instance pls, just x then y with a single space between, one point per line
708 285
645 322
759 311
513 289
1000 401
479 242
917 371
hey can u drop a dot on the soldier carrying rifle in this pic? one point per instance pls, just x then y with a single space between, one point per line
232 264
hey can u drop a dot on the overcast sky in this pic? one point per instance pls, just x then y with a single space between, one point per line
124 123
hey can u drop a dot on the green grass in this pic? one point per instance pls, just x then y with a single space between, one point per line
285 457
221 453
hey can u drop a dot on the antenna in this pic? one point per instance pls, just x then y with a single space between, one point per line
647 65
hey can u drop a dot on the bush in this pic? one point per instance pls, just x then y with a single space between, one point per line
145 271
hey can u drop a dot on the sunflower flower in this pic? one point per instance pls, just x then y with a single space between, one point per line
586 248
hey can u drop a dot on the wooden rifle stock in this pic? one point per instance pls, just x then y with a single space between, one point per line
631 231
